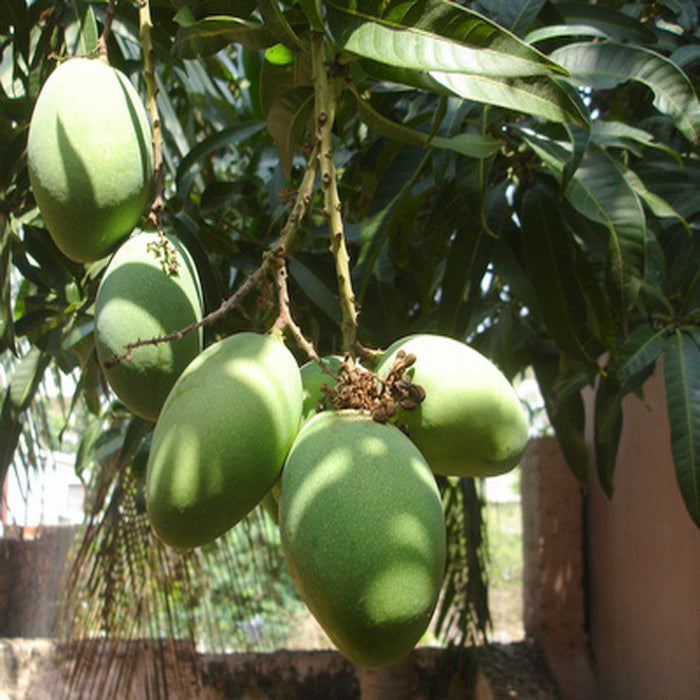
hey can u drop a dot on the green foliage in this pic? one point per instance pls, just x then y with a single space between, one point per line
521 175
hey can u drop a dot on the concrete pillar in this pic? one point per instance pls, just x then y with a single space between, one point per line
553 567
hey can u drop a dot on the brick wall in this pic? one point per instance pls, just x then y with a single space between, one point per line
31 569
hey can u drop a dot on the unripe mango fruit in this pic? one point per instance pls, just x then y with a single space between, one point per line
471 422
90 158
221 438
140 298
363 534
313 377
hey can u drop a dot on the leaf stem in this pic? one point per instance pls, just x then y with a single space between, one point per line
325 93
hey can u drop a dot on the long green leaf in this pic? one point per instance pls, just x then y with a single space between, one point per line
518 15
605 65
211 34
395 183
278 24
25 381
682 387
7 337
220 139
542 96
640 350
470 144
614 23
600 191
548 253
607 430
432 35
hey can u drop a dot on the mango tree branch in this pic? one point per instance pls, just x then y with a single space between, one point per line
271 258
145 27
325 94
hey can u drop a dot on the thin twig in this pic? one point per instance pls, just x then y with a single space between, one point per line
287 235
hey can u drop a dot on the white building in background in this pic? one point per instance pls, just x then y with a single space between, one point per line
49 495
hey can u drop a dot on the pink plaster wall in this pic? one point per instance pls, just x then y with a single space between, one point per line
644 567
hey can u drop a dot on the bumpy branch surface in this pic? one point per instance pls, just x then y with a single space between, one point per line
324 115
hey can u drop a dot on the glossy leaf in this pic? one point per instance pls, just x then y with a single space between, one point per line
548 254
682 388
468 144
518 15
605 65
609 20
278 24
433 35
640 351
541 96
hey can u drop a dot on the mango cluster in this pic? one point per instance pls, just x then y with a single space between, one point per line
346 462
358 506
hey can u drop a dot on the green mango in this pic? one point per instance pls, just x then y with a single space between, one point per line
139 298
313 377
363 534
90 157
221 438
471 422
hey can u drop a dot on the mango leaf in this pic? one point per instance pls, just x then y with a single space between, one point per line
276 21
26 377
211 34
315 288
312 10
600 191
7 336
85 44
611 21
287 121
566 413
607 430
518 15
620 135
469 144
221 139
682 388
659 206
549 258
432 35
541 96
394 184
561 31
604 65
640 351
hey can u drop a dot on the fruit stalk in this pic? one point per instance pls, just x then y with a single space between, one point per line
106 29
325 94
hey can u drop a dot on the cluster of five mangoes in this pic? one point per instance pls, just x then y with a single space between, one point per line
360 513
